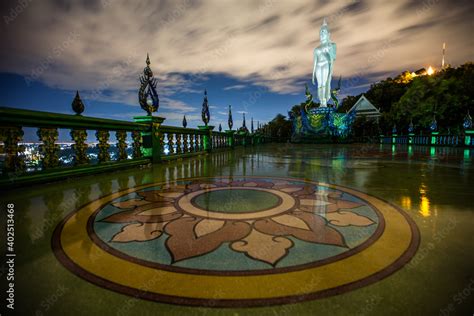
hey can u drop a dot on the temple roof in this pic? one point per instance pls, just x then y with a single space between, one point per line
363 107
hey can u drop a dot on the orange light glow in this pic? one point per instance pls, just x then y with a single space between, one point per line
406 202
424 202
430 71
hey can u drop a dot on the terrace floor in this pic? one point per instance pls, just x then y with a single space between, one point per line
276 230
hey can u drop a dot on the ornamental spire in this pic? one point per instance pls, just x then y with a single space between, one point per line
77 104
205 115
230 121
147 95
185 123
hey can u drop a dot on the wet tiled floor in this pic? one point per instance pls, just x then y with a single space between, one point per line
276 230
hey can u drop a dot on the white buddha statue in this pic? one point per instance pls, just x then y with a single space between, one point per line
324 57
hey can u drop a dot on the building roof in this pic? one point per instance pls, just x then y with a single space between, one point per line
364 107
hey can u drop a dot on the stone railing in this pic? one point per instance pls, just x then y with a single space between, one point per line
149 142
433 139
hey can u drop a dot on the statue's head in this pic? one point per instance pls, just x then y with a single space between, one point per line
324 32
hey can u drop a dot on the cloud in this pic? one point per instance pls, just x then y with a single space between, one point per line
99 47
235 87
180 106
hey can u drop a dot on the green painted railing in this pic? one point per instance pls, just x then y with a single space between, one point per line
433 139
151 142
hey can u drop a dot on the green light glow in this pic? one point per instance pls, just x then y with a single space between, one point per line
466 154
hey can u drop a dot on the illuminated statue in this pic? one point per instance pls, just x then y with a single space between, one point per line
324 57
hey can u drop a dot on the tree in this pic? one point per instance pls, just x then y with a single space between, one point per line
280 127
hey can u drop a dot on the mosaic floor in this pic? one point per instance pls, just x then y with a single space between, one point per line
273 230
233 241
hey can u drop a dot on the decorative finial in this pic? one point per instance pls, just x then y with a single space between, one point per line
185 123
243 123
220 127
205 115
230 121
77 104
147 95
434 124
251 125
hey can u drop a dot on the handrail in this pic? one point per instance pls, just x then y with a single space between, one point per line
182 130
31 118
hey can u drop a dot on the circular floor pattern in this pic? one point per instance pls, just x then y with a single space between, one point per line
241 241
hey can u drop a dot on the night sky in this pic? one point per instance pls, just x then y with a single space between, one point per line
255 56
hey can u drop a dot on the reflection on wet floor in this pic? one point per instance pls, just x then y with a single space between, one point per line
434 185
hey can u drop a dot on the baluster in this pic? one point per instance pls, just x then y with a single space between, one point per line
103 145
49 149
137 143
178 143
185 143
166 143
172 142
14 161
79 137
121 145
191 143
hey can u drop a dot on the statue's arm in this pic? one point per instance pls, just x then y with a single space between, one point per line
333 51
315 61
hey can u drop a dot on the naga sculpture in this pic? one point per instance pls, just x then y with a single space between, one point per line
147 95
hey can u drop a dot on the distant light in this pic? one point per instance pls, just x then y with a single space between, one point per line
430 71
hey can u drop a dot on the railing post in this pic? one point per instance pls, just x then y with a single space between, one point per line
207 141
410 138
468 137
244 138
152 146
230 138
434 135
